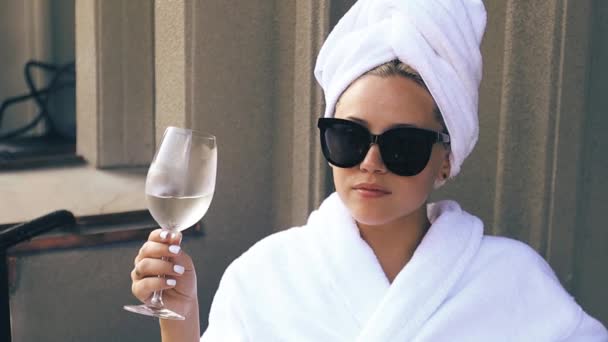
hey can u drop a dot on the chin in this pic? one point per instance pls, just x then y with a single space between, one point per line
371 218
370 222
380 214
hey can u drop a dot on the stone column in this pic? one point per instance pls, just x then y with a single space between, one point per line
115 82
301 175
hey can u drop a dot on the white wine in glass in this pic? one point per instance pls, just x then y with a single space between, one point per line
179 188
177 212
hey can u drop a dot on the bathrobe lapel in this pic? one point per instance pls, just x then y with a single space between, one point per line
350 264
394 312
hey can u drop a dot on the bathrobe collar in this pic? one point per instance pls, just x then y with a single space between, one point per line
386 311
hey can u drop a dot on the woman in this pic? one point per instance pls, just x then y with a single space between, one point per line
375 262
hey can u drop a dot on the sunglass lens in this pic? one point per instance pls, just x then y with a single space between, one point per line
406 151
346 144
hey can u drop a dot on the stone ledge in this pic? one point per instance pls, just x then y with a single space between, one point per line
83 190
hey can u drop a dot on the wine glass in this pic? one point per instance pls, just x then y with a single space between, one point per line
179 187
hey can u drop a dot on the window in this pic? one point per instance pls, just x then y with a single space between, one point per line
37 92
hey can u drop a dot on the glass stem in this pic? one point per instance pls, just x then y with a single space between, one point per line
157 297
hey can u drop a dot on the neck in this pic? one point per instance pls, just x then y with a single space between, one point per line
394 243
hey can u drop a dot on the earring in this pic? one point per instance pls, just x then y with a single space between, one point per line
440 182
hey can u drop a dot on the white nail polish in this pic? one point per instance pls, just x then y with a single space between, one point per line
163 234
173 235
178 269
174 249
171 282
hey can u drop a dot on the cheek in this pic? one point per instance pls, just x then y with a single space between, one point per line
436 164
417 189
427 179
414 191
340 176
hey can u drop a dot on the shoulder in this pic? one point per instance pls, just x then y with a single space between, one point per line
516 264
272 270
503 251
525 283
279 243
274 253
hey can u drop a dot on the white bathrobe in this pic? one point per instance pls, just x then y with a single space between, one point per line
322 282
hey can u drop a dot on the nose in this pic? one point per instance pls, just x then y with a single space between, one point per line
373 161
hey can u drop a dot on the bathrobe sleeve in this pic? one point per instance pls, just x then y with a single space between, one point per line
225 317
584 327
588 329
547 305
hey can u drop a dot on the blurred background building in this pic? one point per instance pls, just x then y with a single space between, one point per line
242 70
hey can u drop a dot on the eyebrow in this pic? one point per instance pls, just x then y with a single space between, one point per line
364 123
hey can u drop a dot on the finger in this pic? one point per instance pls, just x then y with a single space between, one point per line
157 250
161 236
165 236
183 259
154 267
151 266
143 289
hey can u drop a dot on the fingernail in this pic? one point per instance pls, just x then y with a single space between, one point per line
171 282
178 269
173 236
163 234
174 249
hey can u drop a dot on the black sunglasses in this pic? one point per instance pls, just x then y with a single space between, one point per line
405 150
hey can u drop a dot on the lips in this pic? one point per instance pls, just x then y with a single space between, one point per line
371 190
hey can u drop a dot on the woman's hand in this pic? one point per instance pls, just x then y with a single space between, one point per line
179 283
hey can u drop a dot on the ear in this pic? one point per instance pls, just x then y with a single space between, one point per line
445 166
444 172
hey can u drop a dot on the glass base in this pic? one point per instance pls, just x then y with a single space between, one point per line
155 312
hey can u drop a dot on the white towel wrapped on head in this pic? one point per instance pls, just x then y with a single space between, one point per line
438 38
